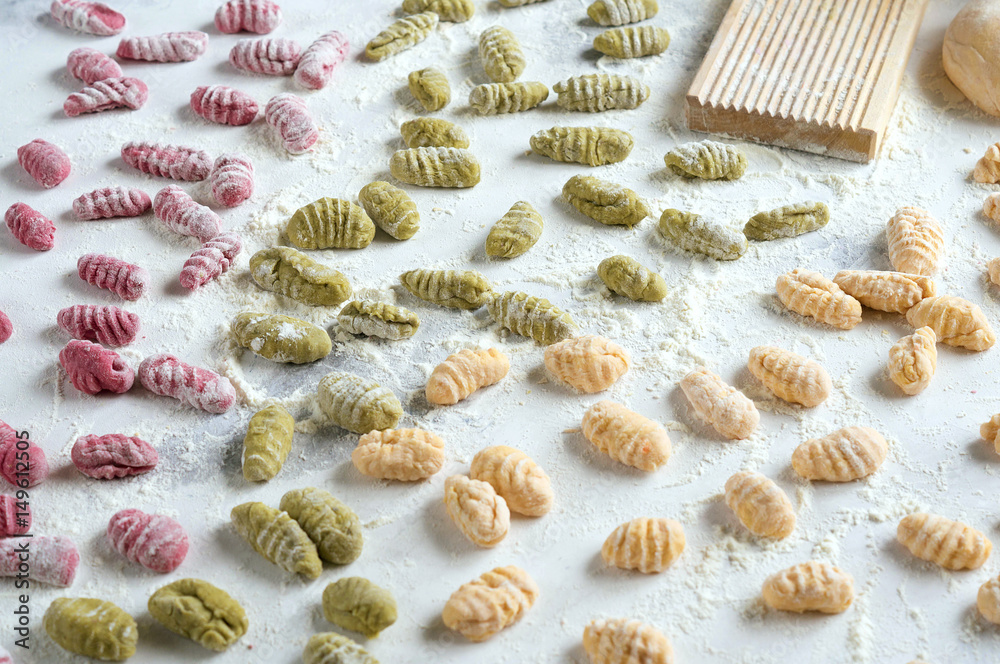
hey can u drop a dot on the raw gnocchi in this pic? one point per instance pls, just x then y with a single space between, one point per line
500 98
913 360
627 276
623 641
647 545
267 443
459 289
451 11
391 209
593 146
842 456
277 537
430 87
955 321
811 294
295 275
357 404
606 202
514 233
707 160
692 232
987 169
333 648
990 432
92 628
950 544
463 373
787 221
377 319
626 436
501 54
916 242
993 270
722 406
530 316
894 292
332 526
436 167
595 93
621 12
406 455
789 376
477 509
432 133
988 600
811 586
489 603
760 505
199 611
516 478
281 338
358 605
401 35
589 363
330 223
637 42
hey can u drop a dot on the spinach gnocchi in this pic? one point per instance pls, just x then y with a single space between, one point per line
499 98
501 54
358 605
606 202
432 133
377 319
708 160
281 338
594 93
391 209
430 87
593 146
291 273
330 223
458 289
691 232
532 317
632 42
358 404
199 611
627 276
787 221
515 233
435 167
332 526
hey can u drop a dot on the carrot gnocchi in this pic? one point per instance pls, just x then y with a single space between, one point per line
406 455
626 436
723 407
913 360
516 478
950 544
589 363
844 455
479 512
894 292
490 603
955 321
916 242
811 586
463 373
646 545
623 641
760 505
790 377
811 294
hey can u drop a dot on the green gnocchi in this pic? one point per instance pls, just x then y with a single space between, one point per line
452 11
595 93
515 232
593 146
433 133
281 338
199 611
391 209
532 317
358 404
291 273
606 202
708 160
357 604
378 319
332 648
435 167
500 98
430 87
401 35
267 443
787 221
332 526
330 223
621 12
501 54
637 42
277 537
458 289
627 276
691 232
92 628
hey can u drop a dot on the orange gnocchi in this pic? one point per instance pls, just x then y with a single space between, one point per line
723 407
988 600
477 510
894 292
493 601
913 360
646 545
516 478
916 242
811 586
790 377
950 544
623 641
760 505
626 436
991 432
844 455
811 294
463 373
955 321
406 455
589 363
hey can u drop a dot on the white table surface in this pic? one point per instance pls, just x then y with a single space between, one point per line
708 603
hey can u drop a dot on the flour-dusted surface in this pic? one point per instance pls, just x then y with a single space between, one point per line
708 602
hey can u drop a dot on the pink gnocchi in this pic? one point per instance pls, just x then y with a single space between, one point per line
6 327
128 281
112 456
54 560
106 324
13 519
154 541
320 59
91 17
270 56
92 368
31 228
181 214
110 202
166 375
169 161
211 261
260 16
91 66
167 47
290 116
22 464
224 105
232 179
107 94
46 163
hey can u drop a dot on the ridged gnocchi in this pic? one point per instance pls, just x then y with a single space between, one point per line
501 98
477 509
358 605
451 11
516 478
626 436
990 432
436 167
589 363
646 545
811 586
514 233
950 544
842 456
592 146
760 505
459 289
595 93
627 276
357 404
330 223
378 319
707 160
692 232
789 376
333 648
811 294
199 611
988 600
291 273
277 537
993 270
723 407
281 338
489 603
955 321
501 54
91 627
987 170
632 42
916 242
332 526
267 443
603 201
913 360
894 292
787 221
431 133
406 455
401 35
533 317
430 87
391 209
624 641
463 373
621 12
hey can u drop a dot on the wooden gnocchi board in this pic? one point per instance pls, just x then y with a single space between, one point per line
815 75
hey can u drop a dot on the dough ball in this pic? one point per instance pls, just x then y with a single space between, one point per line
972 53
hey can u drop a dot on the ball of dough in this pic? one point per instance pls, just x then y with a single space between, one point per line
972 53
